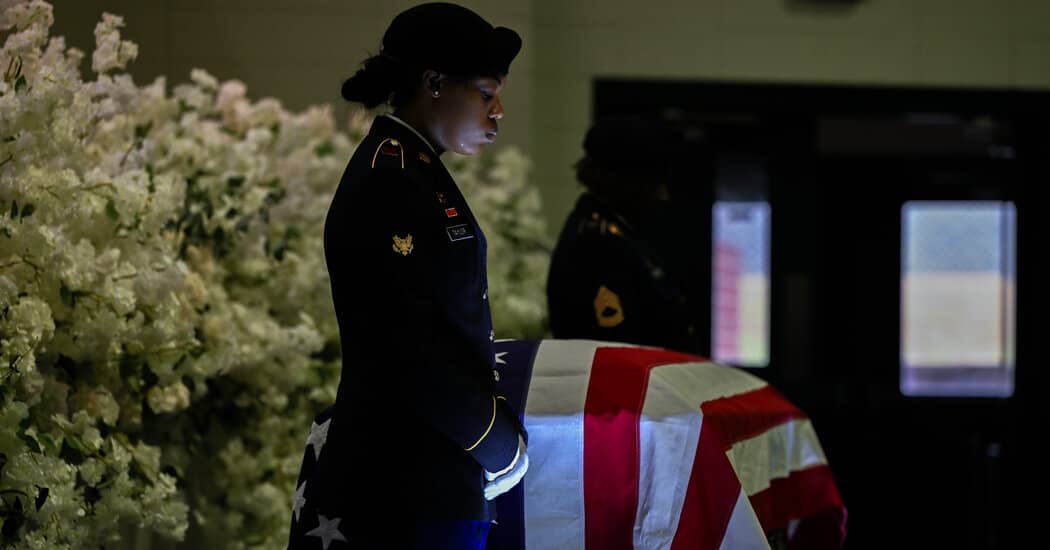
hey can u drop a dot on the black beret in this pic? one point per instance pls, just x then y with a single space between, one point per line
633 144
450 39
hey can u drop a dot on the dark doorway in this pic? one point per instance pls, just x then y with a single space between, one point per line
839 167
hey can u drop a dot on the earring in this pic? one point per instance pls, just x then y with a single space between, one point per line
436 93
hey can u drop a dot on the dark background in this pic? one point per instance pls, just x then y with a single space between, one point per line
840 162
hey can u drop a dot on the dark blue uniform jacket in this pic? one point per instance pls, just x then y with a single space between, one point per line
416 419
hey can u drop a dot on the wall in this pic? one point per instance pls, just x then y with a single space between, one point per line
300 51
965 43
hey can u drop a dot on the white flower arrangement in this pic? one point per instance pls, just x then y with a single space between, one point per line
166 325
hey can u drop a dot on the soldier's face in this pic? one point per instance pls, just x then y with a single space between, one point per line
467 114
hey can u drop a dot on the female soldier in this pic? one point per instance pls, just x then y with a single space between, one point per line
417 444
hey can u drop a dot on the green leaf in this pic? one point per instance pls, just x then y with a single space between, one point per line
274 197
47 443
67 296
235 182
30 441
324 149
14 209
142 129
72 450
111 210
282 247
41 496
27 211
106 481
138 469
221 246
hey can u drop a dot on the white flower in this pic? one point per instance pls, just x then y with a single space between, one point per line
31 21
230 93
203 79
265 113
169 244
92 471
110 51
169 399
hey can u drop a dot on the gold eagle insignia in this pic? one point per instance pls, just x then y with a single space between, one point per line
607 308
403 246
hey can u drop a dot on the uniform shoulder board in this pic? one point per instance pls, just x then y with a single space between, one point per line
390 153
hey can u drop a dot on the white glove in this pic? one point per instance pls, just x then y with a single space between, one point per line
504 480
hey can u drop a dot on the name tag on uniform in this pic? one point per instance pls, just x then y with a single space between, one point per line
459 232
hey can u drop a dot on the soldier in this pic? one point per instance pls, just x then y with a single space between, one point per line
624 266
417 444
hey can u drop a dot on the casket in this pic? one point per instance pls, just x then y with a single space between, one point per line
635 447
638 447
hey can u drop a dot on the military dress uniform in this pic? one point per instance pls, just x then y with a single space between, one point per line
416 420
607 282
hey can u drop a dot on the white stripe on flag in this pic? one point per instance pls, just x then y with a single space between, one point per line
698 383
554 512
669 432
775 453
744 532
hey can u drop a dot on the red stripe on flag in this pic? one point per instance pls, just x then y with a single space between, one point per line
710 496
615 395
809 495
746 415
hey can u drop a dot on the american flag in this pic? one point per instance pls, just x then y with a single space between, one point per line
636 447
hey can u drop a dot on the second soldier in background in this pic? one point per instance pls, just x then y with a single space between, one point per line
626 268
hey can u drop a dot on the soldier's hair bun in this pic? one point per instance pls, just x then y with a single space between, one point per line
381 79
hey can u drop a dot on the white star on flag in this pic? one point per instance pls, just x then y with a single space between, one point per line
300 500
318 436
328 530
499 358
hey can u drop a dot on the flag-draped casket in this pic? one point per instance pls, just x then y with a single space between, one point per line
641 448
636 447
